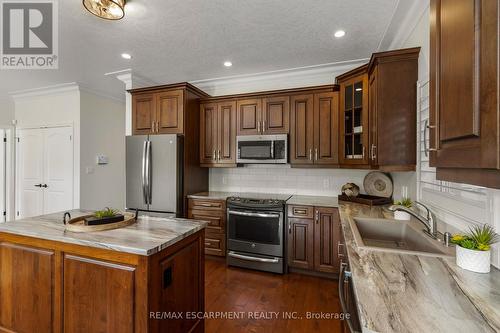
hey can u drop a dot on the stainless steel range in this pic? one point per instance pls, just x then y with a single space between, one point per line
255 237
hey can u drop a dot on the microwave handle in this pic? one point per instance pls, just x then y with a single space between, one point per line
272 149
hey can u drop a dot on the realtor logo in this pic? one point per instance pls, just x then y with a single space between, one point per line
29 37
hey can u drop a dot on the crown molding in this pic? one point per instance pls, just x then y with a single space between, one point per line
47 90
409 22
280 79
132 80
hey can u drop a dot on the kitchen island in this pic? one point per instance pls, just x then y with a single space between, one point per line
131 279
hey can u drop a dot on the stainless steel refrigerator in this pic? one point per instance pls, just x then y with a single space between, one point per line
154 174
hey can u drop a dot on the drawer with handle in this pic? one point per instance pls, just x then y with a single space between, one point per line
215 244
216 219
206 204
306 212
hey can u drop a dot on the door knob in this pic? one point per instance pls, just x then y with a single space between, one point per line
38 185
44 186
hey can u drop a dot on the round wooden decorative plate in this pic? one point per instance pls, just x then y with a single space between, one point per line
378 184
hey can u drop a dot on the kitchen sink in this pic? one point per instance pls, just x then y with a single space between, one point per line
405 237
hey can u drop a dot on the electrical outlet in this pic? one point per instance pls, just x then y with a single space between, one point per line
89 170
102 160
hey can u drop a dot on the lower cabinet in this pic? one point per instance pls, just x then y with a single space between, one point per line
57 287
213 212
313 238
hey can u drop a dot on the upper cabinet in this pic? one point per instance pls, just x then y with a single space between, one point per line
354 117
464 118
218 133
276 115
259 116
392 95
249 116
314 129
162 109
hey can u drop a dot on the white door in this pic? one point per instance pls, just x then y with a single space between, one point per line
3 180
58 170
44 171
29 170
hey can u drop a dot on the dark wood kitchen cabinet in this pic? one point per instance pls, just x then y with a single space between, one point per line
143 113
326 239
262 116
213 212
464 90
52 287
218 134
313 237
276 115
354 118
249 116
164 109
314 129
392 98
301 243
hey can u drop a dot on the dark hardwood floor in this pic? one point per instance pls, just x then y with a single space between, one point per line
239 290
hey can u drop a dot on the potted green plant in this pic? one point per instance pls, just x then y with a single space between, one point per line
405 202
105 216
474 248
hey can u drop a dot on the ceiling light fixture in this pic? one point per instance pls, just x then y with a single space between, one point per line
126 56
228 63
106 9
339 33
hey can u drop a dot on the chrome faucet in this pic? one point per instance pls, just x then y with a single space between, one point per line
429 221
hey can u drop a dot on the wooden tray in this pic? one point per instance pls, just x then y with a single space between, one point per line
366 199
78 224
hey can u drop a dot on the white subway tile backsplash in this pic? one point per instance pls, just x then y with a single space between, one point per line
284 179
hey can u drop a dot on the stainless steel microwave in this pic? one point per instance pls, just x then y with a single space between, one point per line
262 149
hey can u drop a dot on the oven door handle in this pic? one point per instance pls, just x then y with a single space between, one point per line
256 259
264 215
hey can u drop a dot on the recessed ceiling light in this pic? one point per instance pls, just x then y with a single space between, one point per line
339 33
126 56
228 63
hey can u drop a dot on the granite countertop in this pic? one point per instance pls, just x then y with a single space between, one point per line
411 293
214 195
309 200
146 237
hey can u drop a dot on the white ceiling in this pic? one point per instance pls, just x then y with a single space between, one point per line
172 40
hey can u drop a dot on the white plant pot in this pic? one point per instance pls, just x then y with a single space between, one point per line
399 215
475 261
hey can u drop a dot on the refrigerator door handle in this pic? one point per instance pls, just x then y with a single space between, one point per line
149 175
144 160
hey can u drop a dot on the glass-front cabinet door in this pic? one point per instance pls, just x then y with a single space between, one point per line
354 120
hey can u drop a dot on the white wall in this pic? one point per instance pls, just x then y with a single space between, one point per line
103 132
56 107
6 112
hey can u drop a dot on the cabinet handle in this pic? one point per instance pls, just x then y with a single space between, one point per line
289 228
263 126
218 155
299 211
363 152
310 154
340 254
373 152
317 216
153 126
427 127
258 126
214 156
315 154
